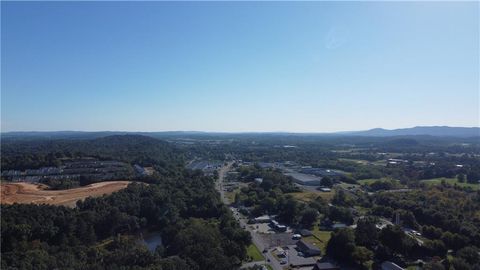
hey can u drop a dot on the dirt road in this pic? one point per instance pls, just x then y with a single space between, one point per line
37 193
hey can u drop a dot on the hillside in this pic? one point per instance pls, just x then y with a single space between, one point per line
432 131
137 149
438 131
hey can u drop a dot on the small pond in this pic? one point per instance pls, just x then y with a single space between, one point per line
151 239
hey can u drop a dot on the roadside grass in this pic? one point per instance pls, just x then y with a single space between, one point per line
450 181
308 196
254 254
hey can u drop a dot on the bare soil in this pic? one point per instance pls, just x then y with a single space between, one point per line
38 193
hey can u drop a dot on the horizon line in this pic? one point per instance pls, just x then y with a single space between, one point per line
229 132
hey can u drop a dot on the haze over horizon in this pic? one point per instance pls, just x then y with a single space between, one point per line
428 129
239 67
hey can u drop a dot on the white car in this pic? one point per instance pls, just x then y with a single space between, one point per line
296 237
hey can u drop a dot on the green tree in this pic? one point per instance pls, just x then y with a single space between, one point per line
341 199
326 181
470 254
309 216
394 238
289 211
366 232
361 255
433 266
342 244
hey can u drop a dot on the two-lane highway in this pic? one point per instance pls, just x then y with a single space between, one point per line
256 239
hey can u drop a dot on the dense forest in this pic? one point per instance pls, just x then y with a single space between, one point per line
447 218
197 230
134 149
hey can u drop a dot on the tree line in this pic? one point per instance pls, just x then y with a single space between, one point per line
197 230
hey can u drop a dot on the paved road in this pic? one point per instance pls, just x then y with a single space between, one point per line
256 239
219 184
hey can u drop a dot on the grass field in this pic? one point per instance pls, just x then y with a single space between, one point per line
346 185
319 238
451 181
308 196
254 253
372 180
365 162
359 161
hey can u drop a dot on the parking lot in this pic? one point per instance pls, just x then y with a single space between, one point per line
278 239
264 228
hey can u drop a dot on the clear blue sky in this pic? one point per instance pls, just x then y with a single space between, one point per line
238 66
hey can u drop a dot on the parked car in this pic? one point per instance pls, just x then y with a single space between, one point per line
296 237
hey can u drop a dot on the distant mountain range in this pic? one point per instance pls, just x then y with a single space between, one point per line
438 131
430 130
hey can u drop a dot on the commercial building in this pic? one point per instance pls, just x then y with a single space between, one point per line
304 179
308 249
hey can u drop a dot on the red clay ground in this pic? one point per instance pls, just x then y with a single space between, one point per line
36 193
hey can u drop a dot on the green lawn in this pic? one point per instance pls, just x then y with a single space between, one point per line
254 253
451 181
319 238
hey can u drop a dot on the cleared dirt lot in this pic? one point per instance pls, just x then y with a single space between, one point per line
37 193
